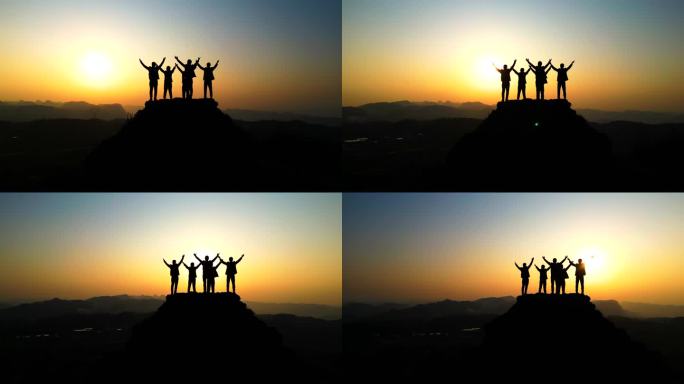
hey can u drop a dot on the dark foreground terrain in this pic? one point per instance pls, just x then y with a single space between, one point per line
504 339
122 339
520 146
170 145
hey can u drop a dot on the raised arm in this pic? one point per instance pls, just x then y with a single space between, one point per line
516 72
547 262
143 64
570 66
516 265
216 65
200 65
548 63
181 260
554 68
186 266
198 259
537 268
238 260
571 263
179 62
197 61
513 65
529 62
162 62
565 258
167 264
217 257
497 69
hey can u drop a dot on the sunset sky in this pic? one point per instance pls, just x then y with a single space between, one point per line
628 53
275 55
428 247
83 245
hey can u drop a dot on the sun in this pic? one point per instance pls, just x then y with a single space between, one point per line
595 260
96 68
483 73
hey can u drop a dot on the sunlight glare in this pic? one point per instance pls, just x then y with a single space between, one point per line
97 68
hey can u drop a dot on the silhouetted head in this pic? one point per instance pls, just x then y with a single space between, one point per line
230 259
189 61
154 64
580 260
206 257
192 264
208 64
539 64
524 264
168 67
554 259
174 262
505 66
562 65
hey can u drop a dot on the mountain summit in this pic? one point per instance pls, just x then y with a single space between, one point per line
212 335
532 144
564 338
171 144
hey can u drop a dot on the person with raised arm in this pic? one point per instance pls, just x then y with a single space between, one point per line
505 79
580 271
192 276
207 269
188 72
556 273
564 276
540 72
208 78
522 82
168 80
173 270
153 75
231 271
525 275
542 277
562 77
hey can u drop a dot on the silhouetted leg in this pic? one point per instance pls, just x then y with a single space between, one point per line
542 93
524 95
558 88
503 89
155 91
582 284
150 91
564 96
232 280
518 97
553 285
544 286
211 91
206 85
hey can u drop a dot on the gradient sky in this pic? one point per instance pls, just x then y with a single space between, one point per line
275 55
428 247
84 245
629 54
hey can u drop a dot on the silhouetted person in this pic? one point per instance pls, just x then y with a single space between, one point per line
542 277
540 71
231 271
207 270
562 77
522 82
555 268
173 267
211 278
579 274
525 275
153 74
192 276
168 80
188 72
505 79
208 78
564 276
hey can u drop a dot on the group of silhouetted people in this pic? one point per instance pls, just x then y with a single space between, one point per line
540 71
558 275
209 273
188 72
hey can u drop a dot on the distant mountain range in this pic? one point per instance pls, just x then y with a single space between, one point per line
20 111
146 304
489 306
426 110
36 110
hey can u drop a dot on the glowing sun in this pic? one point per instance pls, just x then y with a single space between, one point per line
96 68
